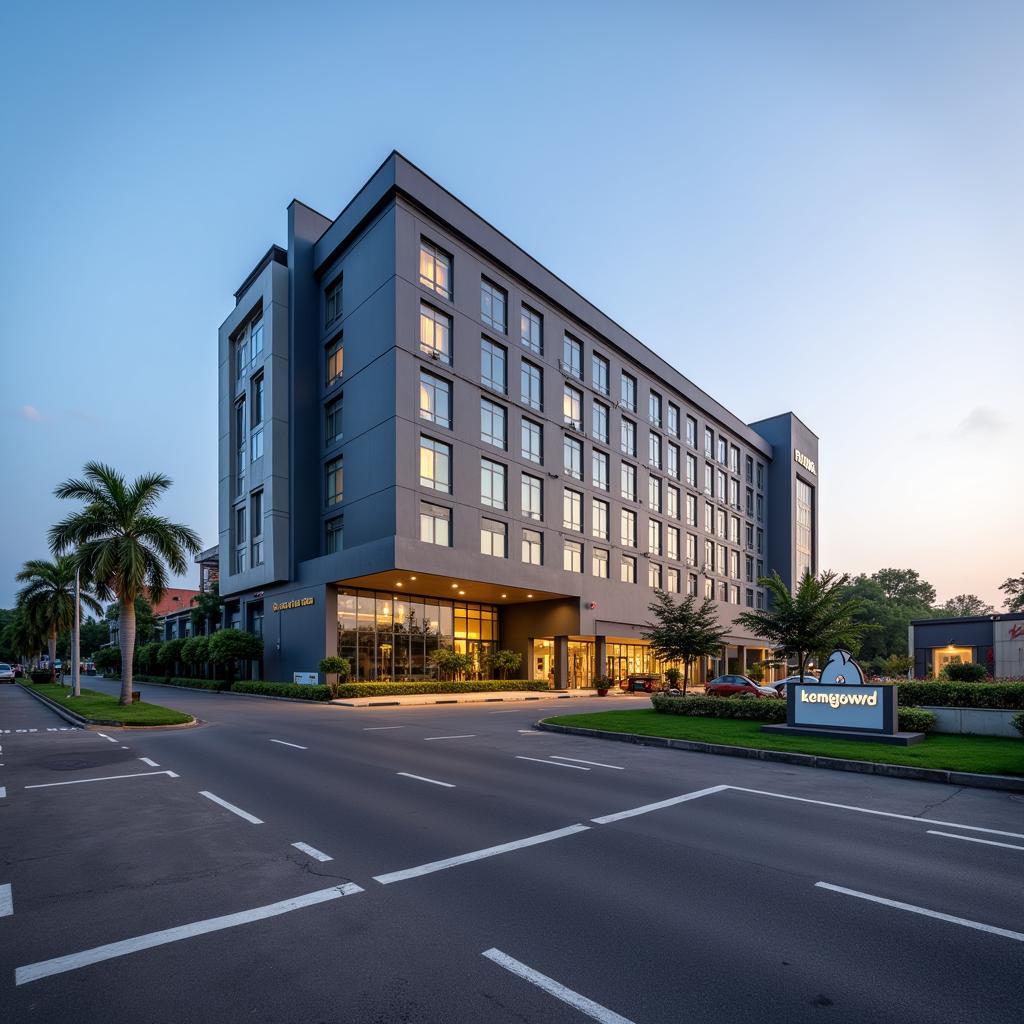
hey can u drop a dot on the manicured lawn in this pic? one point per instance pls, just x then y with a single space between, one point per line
102 706
994 755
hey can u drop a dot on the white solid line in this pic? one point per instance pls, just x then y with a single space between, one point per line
465 736
146 760
423 778
104 778
510 712
43 969
381 728
529 732
285 743
596 764
975 839
231 807
672 801
312 851
883 814
924 911
466 858
109 739
6 900
587 1006
557 764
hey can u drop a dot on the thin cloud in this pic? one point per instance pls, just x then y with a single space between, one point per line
983 419
30 413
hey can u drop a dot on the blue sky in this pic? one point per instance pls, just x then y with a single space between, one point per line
803 206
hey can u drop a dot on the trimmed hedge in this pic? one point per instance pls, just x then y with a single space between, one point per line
40 675
265 689
1009 696
467 686
199 684
915 720
1018 723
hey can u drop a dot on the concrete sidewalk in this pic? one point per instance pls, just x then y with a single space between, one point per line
476 698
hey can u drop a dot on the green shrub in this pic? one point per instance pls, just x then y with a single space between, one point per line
380 689
962 695
965 672
1018 722
337 670
107 659
199 684
916 720
756 709
504 663
263 689
170 654
196 651
41 675
227 647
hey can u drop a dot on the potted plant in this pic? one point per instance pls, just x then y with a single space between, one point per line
672 674
602 683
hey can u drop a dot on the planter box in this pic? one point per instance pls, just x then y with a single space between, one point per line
974 721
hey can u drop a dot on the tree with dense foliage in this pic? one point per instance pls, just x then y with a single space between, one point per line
48 597
337 670
227 647
905 586
196 653
206 610
889 600
1013 588
684 630
22 638
170 654
450 664
107 659
122 544
963 605
820 617
503 663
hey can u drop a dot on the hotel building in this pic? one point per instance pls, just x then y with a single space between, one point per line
427 438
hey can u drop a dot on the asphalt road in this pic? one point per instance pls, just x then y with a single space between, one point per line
135 896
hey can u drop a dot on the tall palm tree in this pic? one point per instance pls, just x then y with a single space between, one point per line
24 636
122 544
48 598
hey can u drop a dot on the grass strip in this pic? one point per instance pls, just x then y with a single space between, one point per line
97 706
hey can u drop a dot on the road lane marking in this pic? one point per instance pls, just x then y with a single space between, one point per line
3 792
231 807
557 764
381 728
975 839
45 968
109 739
596 764
509 712
6 900
423 778
146 760
671 802
312 851
883 814
529 732
466 858
553 988
103 778
924 911
285 743
464 736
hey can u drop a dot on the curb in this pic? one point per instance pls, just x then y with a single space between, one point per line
76 719
892 771
230 693
443 699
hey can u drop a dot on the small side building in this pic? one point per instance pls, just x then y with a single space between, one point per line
995 641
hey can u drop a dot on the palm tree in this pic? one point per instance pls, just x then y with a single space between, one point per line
48 598
24 636
816 619
122 544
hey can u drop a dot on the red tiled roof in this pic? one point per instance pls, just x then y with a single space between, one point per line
174 600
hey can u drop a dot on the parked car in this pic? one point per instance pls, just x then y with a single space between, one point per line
19 670
6 672
781 686
731 686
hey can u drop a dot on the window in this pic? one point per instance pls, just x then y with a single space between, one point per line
760 476
435 333
332 302
734 459
435 524
599 466
750 501
493 369
435 269
691 510
748 569
709 556
734 493
241 550
653 537
531 385
241 438
734 594
572 356
654 493
734 564
532 497
760 545
691 470
256 341
532 441
572 556
672 582
723 450
749 469
435 399
333 481
256 522
748 537
749 601
493 538
691 431
654 450
531 329
709 479
334 535
672 502
673 419
654 575
599 518
256 417
691 584
627 528
335 362
572 406
804 561
435 465
654 408
332 419
599 373
572 457
691 549
673 461
492 484
492 424
599 563
627 435
627 391
760 503
721 565
627 569
532 547
628 481
242 354
709 587
723 592
709 442
599 421
720 484
493 305
572 510
734 529
709 517
672 542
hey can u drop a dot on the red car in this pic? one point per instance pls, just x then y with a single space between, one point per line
730 686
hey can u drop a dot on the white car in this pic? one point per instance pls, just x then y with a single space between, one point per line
782 685
6 672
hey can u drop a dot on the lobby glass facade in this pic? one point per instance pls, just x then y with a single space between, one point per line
391 636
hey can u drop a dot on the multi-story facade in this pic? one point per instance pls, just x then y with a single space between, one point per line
427 438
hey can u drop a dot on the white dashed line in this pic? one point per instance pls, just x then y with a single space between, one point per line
975 839
381 728
285 743
465 736
423 778
596 764
109 739
634 811
557 764
146 760
6 900
252 819
104 778
312 851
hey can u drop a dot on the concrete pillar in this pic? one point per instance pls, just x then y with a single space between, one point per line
741 658
561 662
702 677
600 657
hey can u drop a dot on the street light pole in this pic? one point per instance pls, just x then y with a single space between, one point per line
76 682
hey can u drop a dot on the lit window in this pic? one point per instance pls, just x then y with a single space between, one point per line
627 569
627 528
435 399
435 269
599 518
532 497
599 563
493 538
672 581
435 465
435 333
572 556
572 510
435 524
531 329
572 457
654 575
335 362
572 406
533 543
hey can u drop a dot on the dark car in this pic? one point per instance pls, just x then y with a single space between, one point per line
731 686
